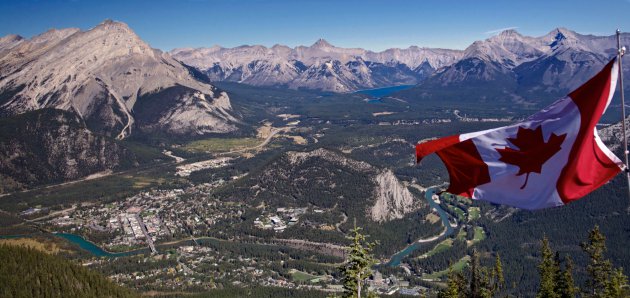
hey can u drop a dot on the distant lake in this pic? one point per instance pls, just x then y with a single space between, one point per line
380 92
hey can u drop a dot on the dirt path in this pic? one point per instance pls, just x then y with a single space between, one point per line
52 214
86 178
343 221
94 176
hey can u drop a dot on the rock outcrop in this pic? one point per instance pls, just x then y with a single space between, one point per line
393 199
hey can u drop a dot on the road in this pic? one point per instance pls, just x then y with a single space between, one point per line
53 214
146 234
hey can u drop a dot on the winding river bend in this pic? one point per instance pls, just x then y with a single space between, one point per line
85 245
397 258
95 249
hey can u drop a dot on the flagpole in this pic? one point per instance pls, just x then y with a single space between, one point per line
620 52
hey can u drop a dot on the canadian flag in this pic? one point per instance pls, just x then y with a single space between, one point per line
551 159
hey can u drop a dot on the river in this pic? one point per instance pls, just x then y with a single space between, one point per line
95 249
86 245
397 258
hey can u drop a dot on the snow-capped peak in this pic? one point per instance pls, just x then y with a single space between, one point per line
308 66
509 33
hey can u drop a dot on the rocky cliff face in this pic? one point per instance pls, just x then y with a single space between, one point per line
393 200
50 146
612 136
100 74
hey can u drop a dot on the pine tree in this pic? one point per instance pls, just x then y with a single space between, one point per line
565 286
357 267
616 283
485 284
475 275
462 283
548 271
452 289
498 274
599 269
604 281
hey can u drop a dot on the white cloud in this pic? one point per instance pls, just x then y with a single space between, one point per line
495 31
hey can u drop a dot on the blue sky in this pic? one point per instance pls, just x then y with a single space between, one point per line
375 25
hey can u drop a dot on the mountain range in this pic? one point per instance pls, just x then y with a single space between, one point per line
521 70
557 61
319 66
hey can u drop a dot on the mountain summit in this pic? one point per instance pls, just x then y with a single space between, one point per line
322 44
112 79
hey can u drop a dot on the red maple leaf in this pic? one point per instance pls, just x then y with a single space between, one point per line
531 150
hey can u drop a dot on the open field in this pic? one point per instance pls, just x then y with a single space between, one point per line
480 235
461 235
432 218
473 213
41 245
220 144
457 267
303 276
461 214
442 246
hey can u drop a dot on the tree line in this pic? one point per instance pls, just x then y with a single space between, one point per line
26 272
555 272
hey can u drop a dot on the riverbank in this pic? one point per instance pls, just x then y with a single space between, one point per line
397 258
83 243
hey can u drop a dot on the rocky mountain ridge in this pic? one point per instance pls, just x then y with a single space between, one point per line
101 74
319 66
510 65
558 61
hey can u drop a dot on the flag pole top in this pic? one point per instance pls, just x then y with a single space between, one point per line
621 49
